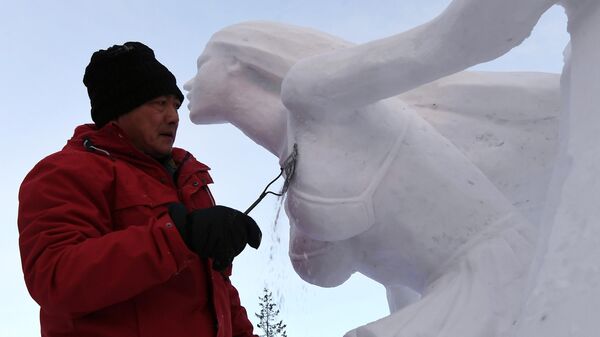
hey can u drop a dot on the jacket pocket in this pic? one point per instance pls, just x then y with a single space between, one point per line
195 193
139 209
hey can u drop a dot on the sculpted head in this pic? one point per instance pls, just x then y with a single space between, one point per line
242 67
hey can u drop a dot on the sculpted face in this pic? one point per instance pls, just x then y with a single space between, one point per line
208 92
152 127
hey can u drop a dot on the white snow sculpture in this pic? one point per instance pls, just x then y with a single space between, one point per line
418 192
468 32
473 31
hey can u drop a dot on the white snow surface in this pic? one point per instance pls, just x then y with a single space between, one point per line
452 189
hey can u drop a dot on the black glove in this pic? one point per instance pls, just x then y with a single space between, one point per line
220 233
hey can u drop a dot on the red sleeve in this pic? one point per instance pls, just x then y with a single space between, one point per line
72 260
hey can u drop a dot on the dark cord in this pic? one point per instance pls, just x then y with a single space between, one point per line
264 194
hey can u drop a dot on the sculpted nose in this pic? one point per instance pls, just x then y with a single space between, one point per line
188 85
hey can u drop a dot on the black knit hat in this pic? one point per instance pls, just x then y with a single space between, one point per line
124 77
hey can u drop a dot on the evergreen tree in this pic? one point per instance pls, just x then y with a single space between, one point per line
268 316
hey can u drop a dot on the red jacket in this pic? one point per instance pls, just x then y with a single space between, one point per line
100 253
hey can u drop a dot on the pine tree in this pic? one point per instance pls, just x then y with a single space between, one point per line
268 315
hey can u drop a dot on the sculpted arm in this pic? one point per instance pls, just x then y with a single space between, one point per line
468 32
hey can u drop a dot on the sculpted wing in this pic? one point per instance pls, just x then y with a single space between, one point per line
505 123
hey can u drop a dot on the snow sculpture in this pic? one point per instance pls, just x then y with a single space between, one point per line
466 33
413 191
473 31
566 289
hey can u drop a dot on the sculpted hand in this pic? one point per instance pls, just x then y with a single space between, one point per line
220 233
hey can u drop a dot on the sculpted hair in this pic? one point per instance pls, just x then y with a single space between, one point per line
270 48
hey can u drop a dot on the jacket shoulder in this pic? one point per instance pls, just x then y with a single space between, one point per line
72 164
188 159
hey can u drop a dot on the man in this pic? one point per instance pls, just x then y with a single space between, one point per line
119 234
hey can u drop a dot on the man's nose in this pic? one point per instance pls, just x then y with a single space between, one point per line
172 114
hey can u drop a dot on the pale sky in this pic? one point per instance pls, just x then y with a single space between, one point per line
45 48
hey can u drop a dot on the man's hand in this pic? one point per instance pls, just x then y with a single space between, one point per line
220 233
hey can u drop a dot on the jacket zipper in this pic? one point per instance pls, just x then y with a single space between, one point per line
87 143
178 170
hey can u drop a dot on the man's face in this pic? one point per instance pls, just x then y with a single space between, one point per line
152 127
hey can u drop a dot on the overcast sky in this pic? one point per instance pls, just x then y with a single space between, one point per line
45 48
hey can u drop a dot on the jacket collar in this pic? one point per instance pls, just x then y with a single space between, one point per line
111 141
